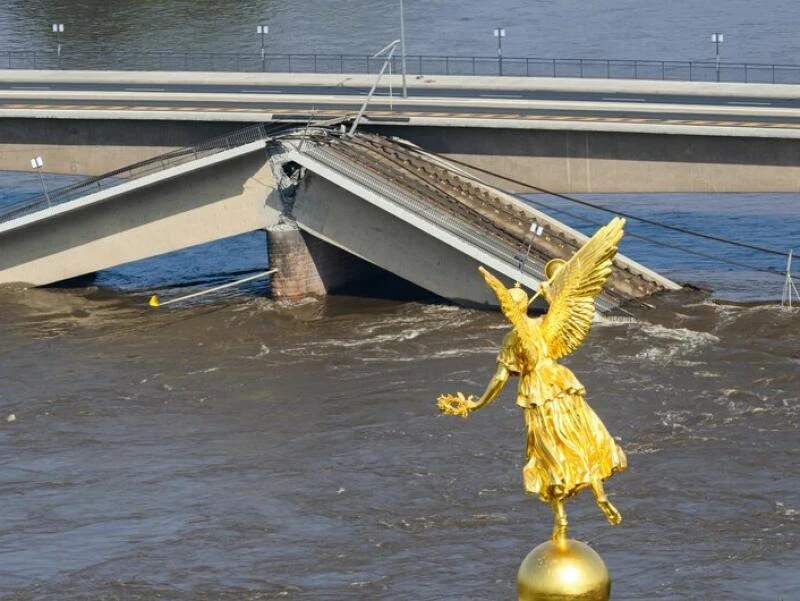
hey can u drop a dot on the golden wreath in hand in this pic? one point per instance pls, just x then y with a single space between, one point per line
455 404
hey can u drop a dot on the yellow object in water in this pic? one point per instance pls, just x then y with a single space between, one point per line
153 302
568 447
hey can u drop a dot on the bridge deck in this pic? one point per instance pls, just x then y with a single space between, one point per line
491 220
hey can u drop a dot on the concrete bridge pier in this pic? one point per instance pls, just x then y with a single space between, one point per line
308 266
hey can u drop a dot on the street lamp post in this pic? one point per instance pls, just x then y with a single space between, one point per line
387 51
403 48
500 33
58 29
717 39
263 30
37 163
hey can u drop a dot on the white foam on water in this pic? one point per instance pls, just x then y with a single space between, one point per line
208 370
679 343
786 511
375 340
632 448
263 351
444 354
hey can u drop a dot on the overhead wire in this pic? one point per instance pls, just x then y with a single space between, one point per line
657 242
598 207
654 223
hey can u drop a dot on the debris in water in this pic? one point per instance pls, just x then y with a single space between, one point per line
11 418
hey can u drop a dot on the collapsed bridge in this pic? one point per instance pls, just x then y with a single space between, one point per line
338 210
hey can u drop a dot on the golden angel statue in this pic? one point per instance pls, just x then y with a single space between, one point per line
568 446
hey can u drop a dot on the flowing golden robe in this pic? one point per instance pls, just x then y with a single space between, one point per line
568 446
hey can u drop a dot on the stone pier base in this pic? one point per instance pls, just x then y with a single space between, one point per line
308 266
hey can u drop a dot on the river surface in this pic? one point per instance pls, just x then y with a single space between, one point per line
620 29
237 448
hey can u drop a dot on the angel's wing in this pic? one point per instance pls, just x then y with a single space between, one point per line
517 316
572 291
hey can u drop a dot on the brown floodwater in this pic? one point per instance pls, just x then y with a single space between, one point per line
251 449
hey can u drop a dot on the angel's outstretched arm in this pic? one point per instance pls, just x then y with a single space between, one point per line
496 384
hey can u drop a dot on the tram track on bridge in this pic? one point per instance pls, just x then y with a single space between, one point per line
467 200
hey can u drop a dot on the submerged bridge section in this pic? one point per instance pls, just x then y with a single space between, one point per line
338 209
433 224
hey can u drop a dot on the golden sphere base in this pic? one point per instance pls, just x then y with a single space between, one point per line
564 571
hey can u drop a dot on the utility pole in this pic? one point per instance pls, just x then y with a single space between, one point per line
58 29
37 163
717 39
388 50
500 33
263 30
403 47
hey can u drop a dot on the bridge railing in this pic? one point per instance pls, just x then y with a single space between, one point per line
132 172
675 70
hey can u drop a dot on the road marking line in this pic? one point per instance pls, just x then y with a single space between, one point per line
746 103
501 95
623 99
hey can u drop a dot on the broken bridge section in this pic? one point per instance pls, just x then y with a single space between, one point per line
431 223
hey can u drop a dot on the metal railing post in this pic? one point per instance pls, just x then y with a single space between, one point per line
636 69
447 65
580 64
554 68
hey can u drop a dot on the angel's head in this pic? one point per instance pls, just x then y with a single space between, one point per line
519 296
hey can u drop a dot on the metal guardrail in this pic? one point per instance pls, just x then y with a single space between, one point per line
132 172
669 70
